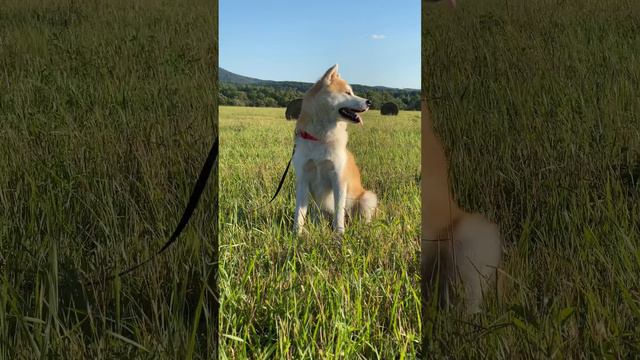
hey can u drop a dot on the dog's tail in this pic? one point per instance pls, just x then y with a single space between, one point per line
367 204
477 254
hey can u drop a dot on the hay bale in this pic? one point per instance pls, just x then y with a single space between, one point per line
293 109
389 109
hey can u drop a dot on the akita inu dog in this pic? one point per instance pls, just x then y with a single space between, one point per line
324 168
457 247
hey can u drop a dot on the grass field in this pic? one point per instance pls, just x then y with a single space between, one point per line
537 105
313 297
106 115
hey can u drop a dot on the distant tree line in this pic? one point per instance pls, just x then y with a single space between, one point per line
279 94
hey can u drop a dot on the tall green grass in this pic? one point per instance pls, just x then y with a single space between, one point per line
106 115
313 296
537 105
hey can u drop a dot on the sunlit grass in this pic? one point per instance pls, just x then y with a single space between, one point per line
315 297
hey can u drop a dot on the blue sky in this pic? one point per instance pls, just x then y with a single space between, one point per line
374 42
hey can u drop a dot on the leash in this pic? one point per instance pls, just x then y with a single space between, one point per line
196 193
284 175
305 135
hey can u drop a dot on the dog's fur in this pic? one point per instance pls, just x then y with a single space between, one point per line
457 247
325 168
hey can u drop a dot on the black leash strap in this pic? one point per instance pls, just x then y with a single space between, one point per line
284 175
198 189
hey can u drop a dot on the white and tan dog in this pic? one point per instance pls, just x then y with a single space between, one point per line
457 247
324 168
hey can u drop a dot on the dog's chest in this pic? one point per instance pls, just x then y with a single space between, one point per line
318 163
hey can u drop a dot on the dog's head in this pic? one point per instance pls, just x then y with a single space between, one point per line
331 99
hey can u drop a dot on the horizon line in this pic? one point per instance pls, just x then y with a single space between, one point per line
312 82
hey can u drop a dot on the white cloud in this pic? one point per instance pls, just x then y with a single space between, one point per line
378 36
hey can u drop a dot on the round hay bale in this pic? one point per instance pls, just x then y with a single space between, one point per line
389 109
293 109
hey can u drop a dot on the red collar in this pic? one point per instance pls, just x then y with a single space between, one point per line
305 135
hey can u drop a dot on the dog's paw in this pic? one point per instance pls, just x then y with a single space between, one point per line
299 231
338 227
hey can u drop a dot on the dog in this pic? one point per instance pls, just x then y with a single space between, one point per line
324 168
458 248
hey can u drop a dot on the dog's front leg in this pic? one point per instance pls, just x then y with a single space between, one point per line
302 203
340 201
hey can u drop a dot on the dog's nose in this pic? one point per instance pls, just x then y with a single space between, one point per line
368 102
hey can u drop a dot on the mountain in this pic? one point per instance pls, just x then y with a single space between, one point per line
242 90
226 76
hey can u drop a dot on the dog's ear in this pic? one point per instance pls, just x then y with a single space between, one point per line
325 80
331 74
